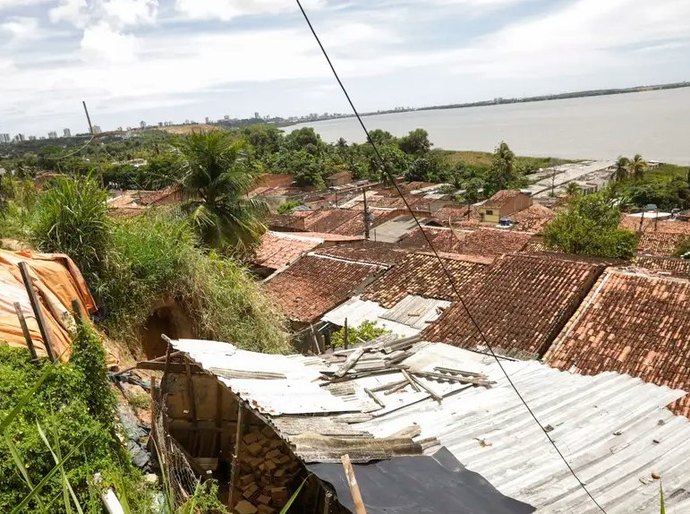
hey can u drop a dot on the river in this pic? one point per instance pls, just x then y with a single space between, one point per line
655 124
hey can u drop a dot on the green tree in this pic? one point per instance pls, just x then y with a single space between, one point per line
265 139
420 169
572 189
216 179
382 137
637 166
304 139
622 169
502 172
416 143
589 226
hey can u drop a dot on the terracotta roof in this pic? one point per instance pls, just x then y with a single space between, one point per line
662 226
631 323
659 243
501 198
279 249
521 304
355 225
421 275
293 220
385 254
483 241
328 220
673 266
534 218
316 284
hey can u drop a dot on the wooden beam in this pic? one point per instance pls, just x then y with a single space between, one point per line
166 367
25 330
172 367
352 483
36 306
234 472
192 409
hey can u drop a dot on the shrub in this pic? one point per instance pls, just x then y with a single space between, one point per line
367 331
288 207
71 217
156 257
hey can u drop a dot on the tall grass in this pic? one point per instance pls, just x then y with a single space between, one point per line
71 217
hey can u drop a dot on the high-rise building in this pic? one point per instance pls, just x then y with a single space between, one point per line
97 129
20 137
208 120
142 124
66 133
256 115
52 135
32 138
5 138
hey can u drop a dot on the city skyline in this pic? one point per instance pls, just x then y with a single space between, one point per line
146 59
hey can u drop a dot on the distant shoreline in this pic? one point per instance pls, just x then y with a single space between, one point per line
503 101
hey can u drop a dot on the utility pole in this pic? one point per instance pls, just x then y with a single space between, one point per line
366 216
88 118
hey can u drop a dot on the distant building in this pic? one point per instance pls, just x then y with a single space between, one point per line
97 129
160 123
52 135
226 117
20 137
207 120
5 138
339 179
32 138
502 204
142 124
66 133
256 115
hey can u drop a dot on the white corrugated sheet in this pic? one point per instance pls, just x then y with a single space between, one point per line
408 317
613 429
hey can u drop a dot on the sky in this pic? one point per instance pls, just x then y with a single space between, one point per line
171 60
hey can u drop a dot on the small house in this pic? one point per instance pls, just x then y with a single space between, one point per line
502 204
339 179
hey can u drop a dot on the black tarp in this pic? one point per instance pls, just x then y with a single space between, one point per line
420 484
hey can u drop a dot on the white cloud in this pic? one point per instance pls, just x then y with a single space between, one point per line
75 12
131 12
11 4
101 43
21 27
228 9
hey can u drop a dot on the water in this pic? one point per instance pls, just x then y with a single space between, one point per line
655 124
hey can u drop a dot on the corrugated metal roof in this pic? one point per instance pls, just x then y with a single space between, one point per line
613 429
416 311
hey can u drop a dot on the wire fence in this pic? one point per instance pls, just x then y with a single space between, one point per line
181 481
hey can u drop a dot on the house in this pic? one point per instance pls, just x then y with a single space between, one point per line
135 202
315 284
372 252
632 322
502 204
277 250
341 178
665 265
455 445
521 303
410 295
533 219
486 242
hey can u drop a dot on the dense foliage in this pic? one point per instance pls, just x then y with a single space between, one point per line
74 408
666 186
71 217
589 226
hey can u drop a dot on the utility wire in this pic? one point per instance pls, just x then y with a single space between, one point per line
440 260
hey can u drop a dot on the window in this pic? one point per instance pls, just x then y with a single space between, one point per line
489 212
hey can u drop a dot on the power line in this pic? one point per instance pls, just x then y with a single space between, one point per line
438 257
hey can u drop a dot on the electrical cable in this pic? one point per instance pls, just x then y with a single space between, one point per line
438 257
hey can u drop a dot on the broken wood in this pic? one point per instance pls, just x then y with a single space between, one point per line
452 371
349 362
421 384
374 397
352 483
172 367
454 378
38 312
409 380
166 368
25 330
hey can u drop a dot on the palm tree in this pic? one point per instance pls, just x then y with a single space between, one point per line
637 166
216 179
572 189
622 169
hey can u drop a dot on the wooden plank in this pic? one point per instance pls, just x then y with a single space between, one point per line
431 392
171 367
25 330
234 472
455 378
38 312
166 367
409 379
374 397
352 483
194 437
349 362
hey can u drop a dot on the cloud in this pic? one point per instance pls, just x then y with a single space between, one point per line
75 12
12 4
21 28
101 43
131 12
228 9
